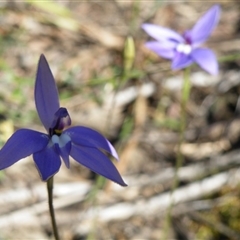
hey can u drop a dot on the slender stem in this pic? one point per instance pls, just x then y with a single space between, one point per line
51 208
179 158
185 96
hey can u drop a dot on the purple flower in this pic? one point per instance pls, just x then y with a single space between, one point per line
185 49
86 146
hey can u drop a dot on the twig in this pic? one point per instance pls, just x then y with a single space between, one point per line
220 227
160 202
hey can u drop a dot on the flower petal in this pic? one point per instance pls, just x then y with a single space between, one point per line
161 33
204 26
206 59
163 49
47 162
90 138
96 161
46 93
64 152
181 61
21 144
62 145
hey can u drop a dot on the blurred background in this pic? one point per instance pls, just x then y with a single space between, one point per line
109 81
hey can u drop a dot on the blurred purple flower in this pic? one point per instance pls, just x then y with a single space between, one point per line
185 49
85 145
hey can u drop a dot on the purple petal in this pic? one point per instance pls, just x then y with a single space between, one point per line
46 93
64 152
96 161
162 34
90 138
47 162
204 26
21 144
181 61
163 49
206 59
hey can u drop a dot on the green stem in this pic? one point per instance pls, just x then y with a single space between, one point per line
179 158
51 208
185 96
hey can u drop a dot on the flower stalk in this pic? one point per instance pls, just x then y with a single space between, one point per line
183 122
51 208
179 158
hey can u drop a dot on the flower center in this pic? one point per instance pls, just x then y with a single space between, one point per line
184 48
60 140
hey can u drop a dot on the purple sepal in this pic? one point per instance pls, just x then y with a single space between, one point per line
97 162
46 93
181 60
64 152
161 33
206 59
163 49
47 162
88 137
204 26
21 144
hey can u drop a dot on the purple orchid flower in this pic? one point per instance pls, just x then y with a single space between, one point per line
185 49
85 145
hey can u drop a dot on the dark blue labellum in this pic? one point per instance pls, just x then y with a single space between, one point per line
61 120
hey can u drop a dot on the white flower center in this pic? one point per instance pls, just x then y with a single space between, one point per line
61 140
184 48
